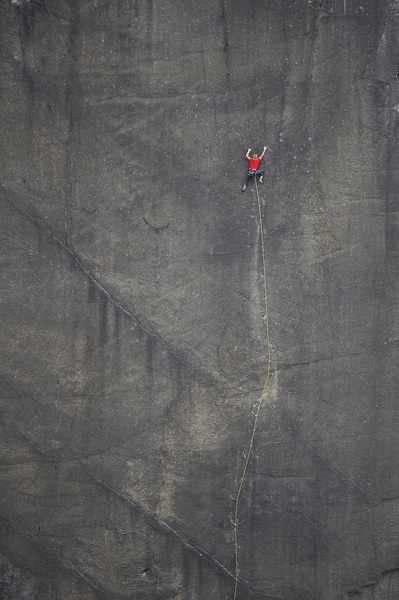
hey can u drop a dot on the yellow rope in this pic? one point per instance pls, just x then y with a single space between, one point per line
266 318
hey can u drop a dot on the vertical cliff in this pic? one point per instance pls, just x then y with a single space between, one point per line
133 342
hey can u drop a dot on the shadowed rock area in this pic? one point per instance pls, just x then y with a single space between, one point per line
133 342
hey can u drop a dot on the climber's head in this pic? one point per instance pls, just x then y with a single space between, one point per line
255 156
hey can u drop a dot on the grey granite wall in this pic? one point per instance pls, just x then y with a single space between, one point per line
133 346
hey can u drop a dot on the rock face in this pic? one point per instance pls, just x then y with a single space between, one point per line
133 346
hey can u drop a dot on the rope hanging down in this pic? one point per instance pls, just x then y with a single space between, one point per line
244 473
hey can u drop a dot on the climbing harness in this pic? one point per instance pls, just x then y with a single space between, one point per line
259 403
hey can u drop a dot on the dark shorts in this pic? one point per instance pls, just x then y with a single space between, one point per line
252 173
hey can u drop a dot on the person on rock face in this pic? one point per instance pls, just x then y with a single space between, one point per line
253 167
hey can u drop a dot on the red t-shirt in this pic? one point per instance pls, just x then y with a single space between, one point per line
253 163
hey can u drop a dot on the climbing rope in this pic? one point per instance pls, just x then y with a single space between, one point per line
259 403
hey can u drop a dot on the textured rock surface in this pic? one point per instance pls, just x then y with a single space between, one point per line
133 346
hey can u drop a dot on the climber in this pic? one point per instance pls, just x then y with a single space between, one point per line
253 167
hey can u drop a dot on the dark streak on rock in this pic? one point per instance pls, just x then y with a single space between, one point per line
160 525
76 261
53 554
